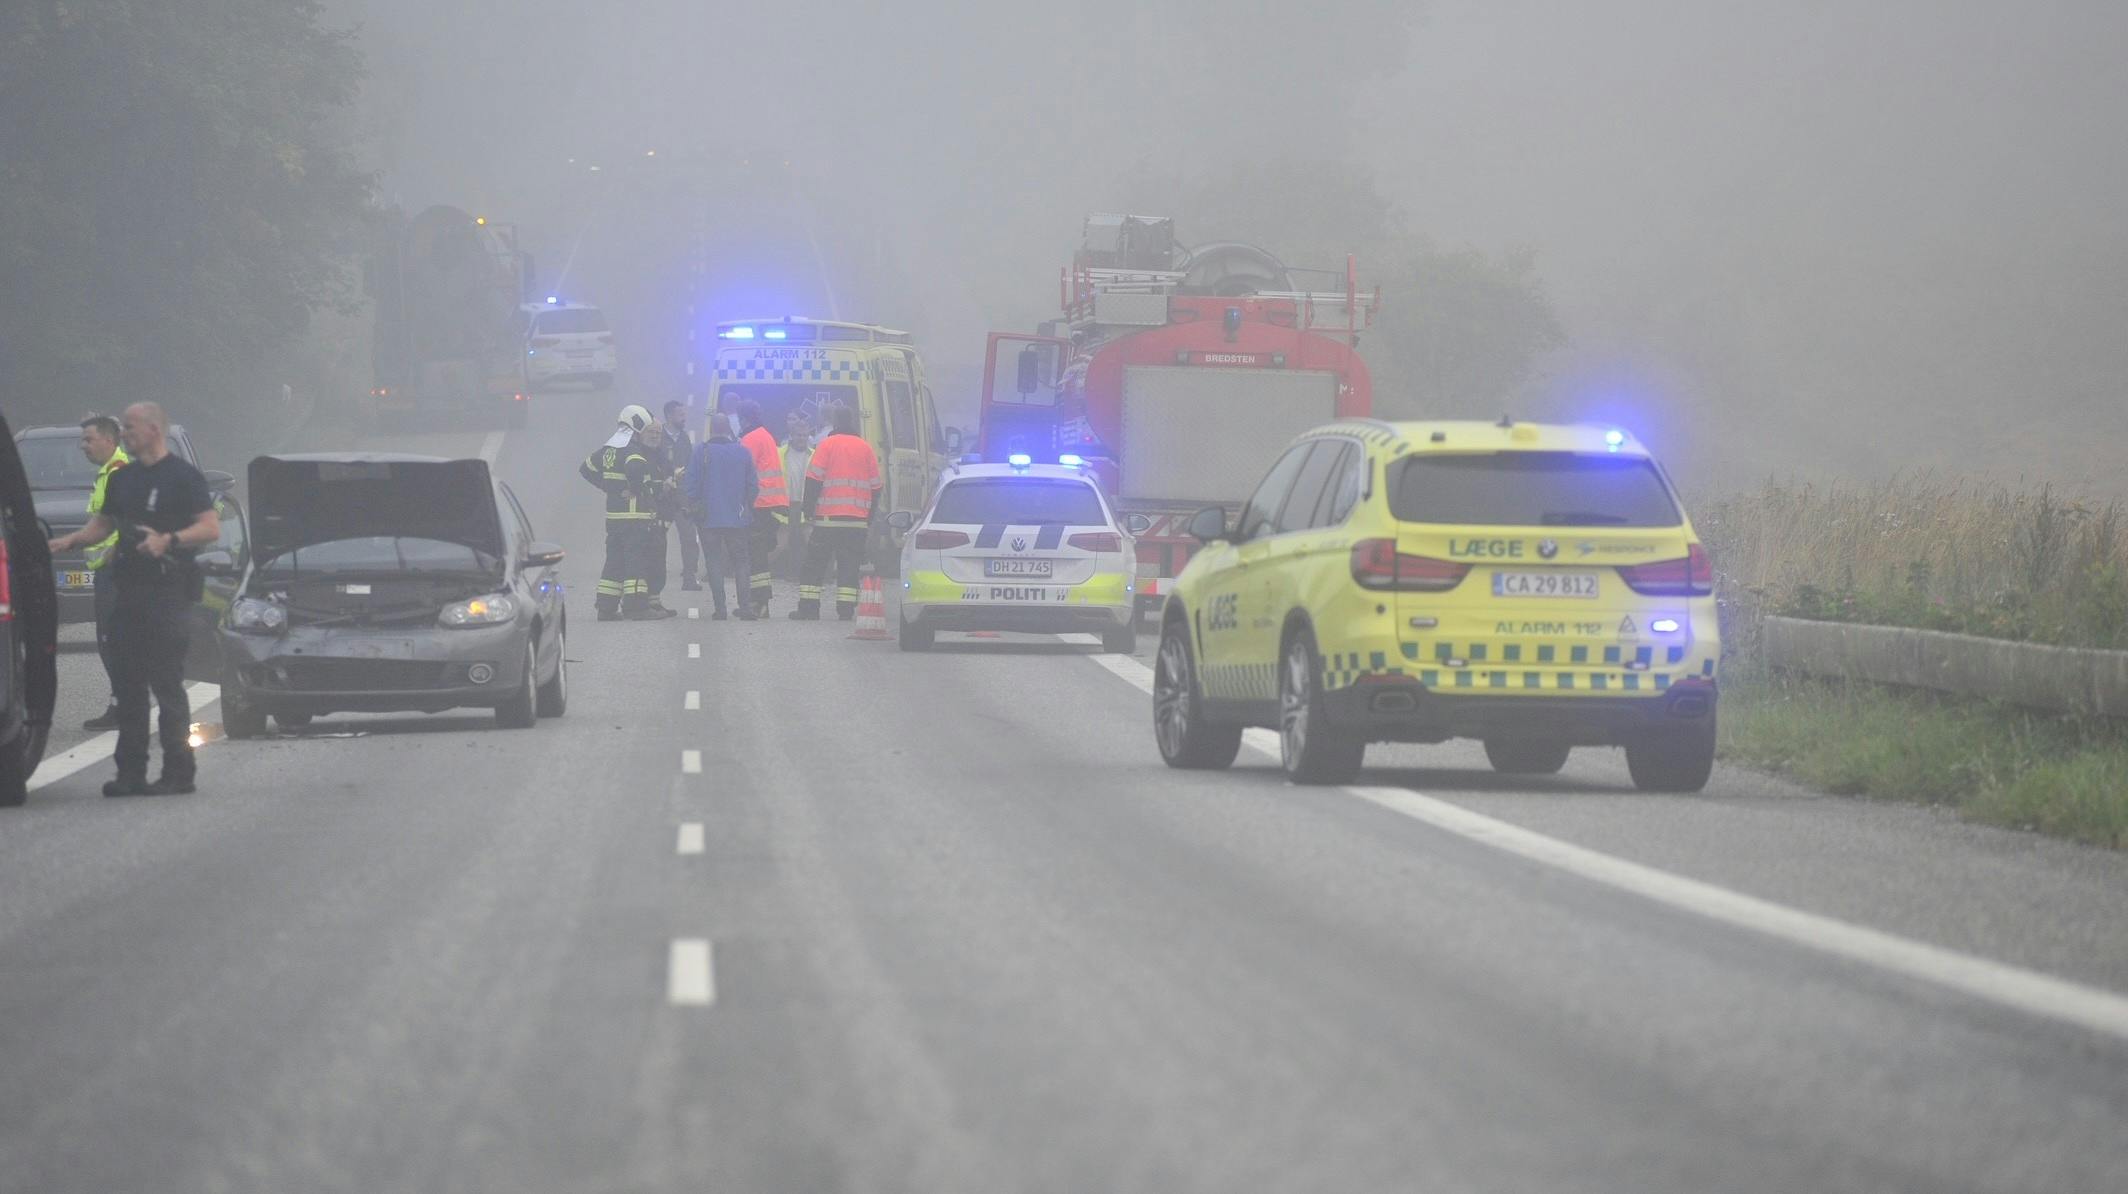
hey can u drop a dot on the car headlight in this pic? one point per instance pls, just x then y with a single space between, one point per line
253 616
491 610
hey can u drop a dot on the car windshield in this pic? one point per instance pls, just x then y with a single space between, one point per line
1533 489
1019 501
56 462
380 553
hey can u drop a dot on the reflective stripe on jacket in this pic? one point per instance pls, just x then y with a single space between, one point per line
625 474
847 471
768 469
99 552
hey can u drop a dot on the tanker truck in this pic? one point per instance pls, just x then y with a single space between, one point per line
447 289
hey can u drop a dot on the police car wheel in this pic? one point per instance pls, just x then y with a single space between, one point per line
1311 750
240 718
14 776
916 638
291 721
1187 739
1674 761
1526 756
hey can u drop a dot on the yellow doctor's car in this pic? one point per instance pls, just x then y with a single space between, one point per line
1534 586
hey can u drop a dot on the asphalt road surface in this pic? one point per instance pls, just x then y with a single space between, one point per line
793 912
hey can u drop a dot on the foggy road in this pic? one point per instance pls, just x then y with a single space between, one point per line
792 912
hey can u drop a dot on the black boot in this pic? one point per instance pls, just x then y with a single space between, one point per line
128 785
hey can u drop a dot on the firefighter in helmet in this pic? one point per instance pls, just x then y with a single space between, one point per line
624 469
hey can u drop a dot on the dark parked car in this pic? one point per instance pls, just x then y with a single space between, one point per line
29 628
389 583
62 478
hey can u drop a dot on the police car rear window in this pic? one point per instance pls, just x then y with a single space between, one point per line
571 322
1018 501
1532 489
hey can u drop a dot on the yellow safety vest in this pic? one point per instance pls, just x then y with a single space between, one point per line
99 553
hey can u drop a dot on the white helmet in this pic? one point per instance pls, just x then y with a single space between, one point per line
636 419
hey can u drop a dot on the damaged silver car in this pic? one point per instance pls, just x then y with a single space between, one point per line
382 583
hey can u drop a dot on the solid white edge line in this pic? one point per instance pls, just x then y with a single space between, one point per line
693 700
690 837
90 751
691 762
491 447
1999 983
690 973
694 650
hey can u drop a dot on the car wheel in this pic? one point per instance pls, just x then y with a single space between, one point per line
915 637
521 710
14 772
292 721
1311 750
240 718
1121 640
554 694
1187 738
1526 756
1673 761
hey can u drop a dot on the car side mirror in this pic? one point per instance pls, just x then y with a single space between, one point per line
541 554
902 520
1138 524
953 441
217 561
1208 525
219 482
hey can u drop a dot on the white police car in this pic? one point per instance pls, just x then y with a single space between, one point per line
566 342
1019 546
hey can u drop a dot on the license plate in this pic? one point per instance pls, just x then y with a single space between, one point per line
77 580
368 648
1545 584
1019 567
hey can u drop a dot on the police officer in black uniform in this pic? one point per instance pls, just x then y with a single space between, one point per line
163 513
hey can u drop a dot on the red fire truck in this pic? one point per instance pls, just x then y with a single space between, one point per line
1175 376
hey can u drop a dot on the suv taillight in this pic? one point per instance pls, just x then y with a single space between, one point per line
1692 576
7 586
1377 564
1097 542
935 540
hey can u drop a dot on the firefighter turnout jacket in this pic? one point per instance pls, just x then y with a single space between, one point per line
842 483
628 473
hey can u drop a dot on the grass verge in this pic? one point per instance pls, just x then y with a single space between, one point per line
1997 765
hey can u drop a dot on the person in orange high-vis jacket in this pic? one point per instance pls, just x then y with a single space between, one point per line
842 487
772 509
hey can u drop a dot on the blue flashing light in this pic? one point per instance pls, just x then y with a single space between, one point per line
1071 460
740 333
1019 460
552 300
1615 439
774 334
1664 625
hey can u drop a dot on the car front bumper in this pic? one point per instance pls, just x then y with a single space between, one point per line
335 669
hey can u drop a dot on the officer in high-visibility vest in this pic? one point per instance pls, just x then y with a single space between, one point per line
772 508
99 442
842 487
623 469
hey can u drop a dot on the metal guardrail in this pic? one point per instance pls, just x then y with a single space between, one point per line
2074 680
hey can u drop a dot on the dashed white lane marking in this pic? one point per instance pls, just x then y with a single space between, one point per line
691 837
91 751
491 446
690 762
690 974
694 613
1998 983
694 650
693 700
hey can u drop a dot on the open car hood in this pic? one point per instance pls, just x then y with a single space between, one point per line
301 500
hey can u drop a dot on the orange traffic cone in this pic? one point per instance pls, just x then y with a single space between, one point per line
872 613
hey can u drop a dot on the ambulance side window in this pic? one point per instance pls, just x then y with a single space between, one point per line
938 433
1343 492
1258 516
1299 511
901 413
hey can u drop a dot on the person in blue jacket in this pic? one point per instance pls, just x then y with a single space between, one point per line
721 486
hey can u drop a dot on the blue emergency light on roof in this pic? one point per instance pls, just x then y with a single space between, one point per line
774 334
1664 625
1615 438
1071 460
1019 460
741 333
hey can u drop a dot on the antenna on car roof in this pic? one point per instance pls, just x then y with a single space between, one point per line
1507 421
